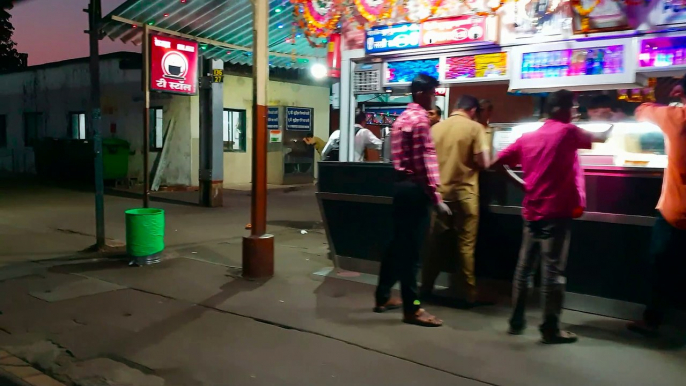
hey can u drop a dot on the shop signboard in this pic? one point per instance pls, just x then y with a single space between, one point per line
436 32
392 38
299 118
453 30
173 65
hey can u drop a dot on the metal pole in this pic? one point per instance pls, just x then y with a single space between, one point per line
258 248
94 15
146 116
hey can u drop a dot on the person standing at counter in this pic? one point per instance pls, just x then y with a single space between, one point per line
668 243
315 142
484 118
435 115
414 192
554 194
462 151
364 138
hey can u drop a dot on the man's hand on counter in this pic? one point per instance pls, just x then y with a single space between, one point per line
514 177
603 136
443 209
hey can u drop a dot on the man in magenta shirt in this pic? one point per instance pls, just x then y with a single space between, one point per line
554 195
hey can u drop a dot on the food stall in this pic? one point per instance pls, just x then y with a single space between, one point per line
609 251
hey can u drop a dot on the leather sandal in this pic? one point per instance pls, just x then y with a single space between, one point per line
423 319
391 304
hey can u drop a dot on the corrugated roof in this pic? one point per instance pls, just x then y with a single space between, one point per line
223 21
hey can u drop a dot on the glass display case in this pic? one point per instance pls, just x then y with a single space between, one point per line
630 145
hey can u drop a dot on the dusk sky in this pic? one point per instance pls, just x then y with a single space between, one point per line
49 32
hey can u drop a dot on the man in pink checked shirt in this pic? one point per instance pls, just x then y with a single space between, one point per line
415 191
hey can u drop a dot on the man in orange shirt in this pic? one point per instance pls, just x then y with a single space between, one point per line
668 243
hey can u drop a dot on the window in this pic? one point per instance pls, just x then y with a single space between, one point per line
234 130
77 125
33 128
3 131
156 128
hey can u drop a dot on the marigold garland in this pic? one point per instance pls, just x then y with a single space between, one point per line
375 13
433 8
584 12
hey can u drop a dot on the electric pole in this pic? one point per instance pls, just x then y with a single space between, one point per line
94 16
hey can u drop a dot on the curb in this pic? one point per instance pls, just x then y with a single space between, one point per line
16 372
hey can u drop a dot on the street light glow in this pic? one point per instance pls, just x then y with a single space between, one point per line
319 71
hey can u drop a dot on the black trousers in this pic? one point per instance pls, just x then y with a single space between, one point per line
411 217
668 264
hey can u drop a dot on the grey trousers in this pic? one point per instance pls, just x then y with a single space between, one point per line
546 241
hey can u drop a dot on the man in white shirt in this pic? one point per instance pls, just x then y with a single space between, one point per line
364 139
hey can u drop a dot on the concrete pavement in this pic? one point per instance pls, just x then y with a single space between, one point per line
191 320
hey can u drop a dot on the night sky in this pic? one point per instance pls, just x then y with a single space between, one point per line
49 32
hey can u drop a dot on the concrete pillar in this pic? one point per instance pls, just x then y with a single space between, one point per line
211 172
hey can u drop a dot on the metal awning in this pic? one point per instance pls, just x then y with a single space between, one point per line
222 27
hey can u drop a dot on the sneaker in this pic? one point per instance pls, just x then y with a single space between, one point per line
558 337
643 328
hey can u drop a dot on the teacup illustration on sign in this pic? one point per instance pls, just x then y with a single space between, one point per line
174 65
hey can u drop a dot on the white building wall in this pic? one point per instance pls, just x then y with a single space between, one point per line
56 90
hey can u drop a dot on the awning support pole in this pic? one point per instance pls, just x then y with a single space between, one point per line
94 15
146 116
258 248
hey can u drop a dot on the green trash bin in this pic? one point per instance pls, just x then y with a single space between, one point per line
144 235
115 158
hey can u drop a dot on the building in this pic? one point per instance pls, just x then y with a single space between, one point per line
51 101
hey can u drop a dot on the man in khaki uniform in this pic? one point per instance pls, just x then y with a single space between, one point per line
462 151
484 119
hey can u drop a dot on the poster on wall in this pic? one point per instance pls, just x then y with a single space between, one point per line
540 17
476 66
671 12
173 65
604 15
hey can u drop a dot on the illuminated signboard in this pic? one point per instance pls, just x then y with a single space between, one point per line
405 71
437 32
662 52
173 65
476 66
573 62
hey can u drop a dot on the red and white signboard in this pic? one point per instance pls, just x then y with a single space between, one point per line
453 30
173 65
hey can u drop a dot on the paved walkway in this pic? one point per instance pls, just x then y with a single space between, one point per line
191 320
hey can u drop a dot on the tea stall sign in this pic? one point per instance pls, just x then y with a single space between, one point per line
173 65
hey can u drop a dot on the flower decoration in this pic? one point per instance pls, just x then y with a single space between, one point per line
373 10
419 11
584 12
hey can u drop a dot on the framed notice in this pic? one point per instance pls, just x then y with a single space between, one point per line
604 16
173 65
671 12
